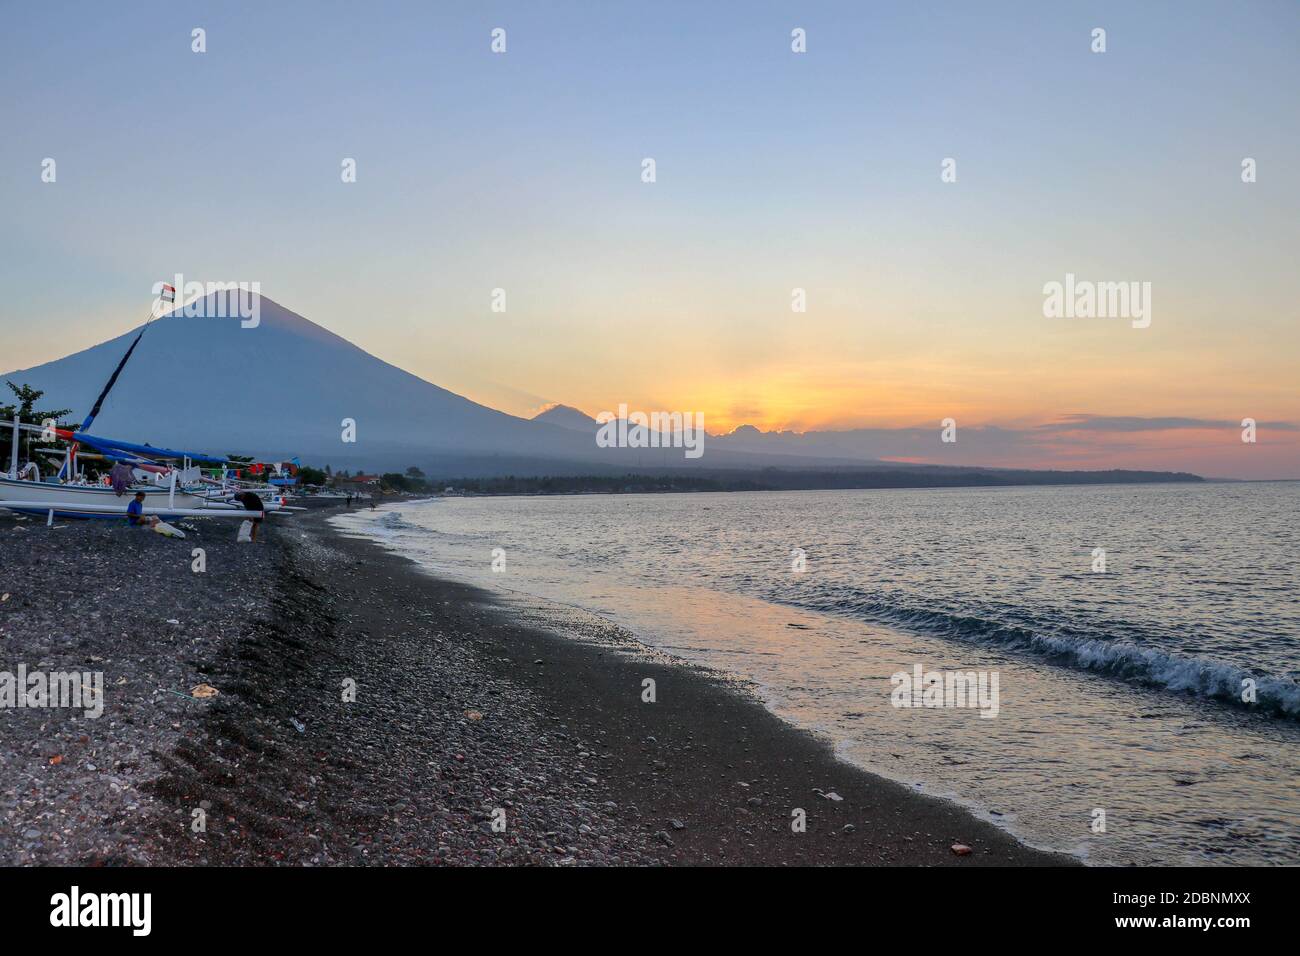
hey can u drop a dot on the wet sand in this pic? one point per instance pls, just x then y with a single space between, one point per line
466 713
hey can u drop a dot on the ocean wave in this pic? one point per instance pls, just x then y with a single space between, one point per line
385 526
1117 658
392 519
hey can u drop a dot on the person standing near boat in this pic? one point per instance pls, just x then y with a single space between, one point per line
251 502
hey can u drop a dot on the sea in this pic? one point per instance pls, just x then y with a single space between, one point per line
1109 671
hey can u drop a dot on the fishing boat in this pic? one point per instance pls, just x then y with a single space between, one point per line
166 480
171 481
96 501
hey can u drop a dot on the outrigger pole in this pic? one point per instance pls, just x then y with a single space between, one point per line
13 464
108 387
112 379
147 509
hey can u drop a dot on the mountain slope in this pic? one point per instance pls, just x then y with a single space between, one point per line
282 389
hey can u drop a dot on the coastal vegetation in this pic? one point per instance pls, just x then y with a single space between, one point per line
778 479
24 405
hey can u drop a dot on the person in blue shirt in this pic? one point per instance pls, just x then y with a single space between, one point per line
135 512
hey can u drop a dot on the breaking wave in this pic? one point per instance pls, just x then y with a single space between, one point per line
1116 658
393 521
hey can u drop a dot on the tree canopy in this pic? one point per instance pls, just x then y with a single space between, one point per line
26 407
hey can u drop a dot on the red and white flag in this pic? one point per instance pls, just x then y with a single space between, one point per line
168 293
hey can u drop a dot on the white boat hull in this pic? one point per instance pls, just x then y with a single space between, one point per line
63 500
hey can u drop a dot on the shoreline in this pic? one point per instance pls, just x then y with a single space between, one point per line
575 493
464 714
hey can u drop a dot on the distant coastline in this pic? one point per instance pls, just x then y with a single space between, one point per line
775 479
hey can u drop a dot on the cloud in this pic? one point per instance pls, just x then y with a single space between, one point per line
1135 423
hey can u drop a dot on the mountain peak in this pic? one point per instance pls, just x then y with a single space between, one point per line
566 416
251 310
220 375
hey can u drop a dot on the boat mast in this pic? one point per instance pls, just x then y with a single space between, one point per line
108 387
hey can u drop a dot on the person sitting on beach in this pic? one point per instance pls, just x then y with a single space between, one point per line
252 502
135 512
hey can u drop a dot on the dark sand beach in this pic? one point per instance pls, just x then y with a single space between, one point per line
463 708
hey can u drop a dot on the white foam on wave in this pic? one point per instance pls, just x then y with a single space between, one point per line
1119 659
1191 675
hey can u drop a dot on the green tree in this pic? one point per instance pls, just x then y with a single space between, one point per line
395 481
26 407
28 414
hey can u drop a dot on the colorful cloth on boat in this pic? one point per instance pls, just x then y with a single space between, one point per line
121 477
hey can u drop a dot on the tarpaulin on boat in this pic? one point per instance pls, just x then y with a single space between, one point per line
146 450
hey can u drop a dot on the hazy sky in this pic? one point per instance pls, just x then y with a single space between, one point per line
775 170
